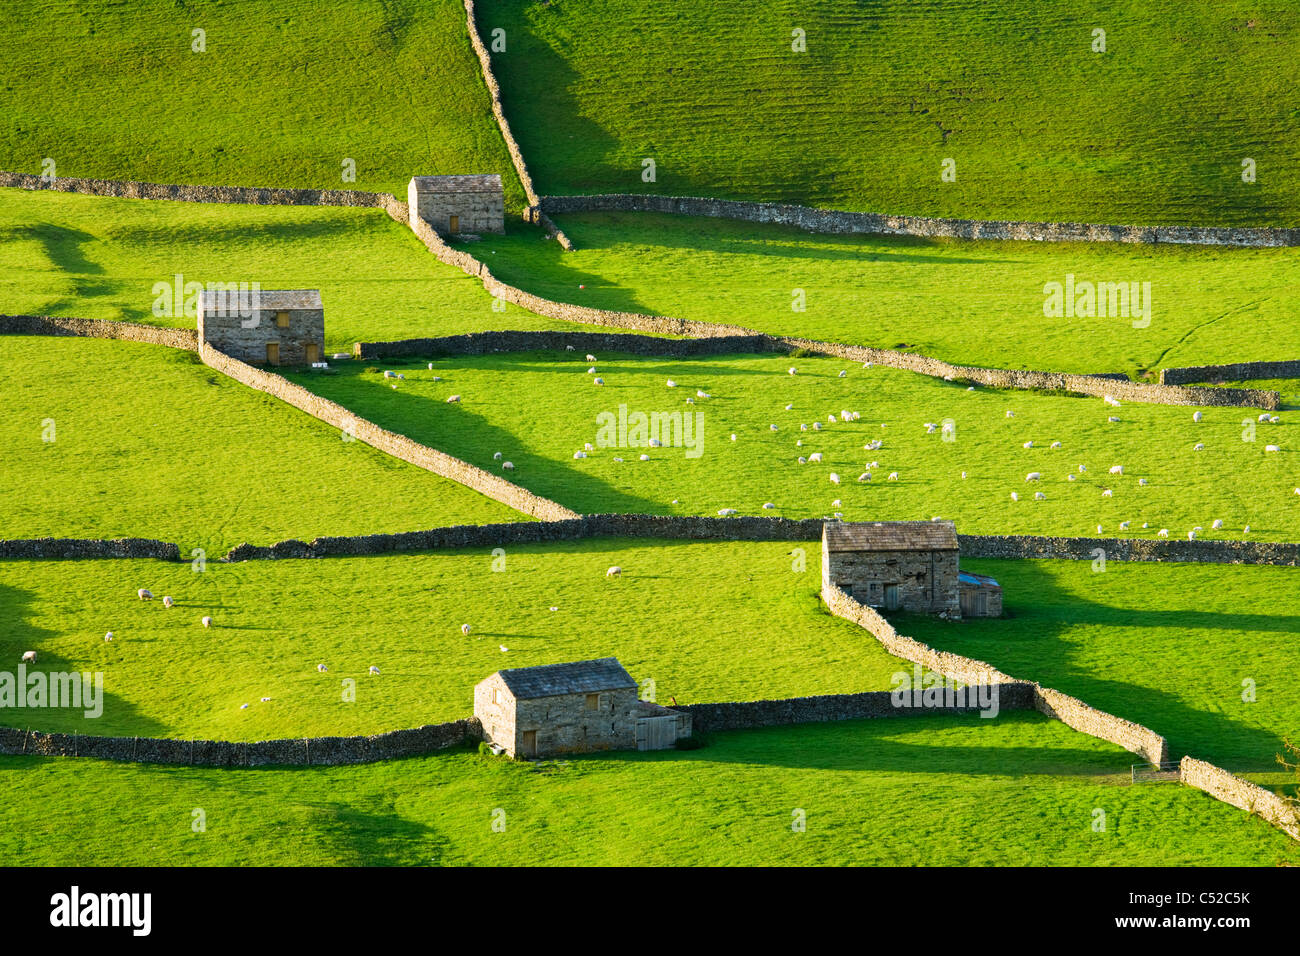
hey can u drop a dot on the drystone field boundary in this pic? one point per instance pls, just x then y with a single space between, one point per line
1115 386
837 221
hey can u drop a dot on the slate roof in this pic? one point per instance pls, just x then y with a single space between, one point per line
475 183
266 299
890 535
555 680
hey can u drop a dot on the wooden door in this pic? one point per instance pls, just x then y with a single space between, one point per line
528 745
313 353
891 597
272 353
656 733
453 225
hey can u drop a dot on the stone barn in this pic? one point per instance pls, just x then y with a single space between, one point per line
458 204
264 328
891 565
981 596
572 708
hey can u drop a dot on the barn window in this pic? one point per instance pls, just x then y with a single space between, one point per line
496 695
282 320
593 702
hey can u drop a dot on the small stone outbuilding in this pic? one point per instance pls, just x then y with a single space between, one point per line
264 327
892 565
458 204
572 708
981 596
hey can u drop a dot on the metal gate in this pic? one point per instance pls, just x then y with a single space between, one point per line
656 733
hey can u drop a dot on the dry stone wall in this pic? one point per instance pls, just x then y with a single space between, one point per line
1238 372
1250 797
839 222
485 343
391 443
187 339
81 549
249 195
220 753
1130 549
1069 710
744 715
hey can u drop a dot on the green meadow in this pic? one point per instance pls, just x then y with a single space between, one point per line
1038 126
148 442
1204 654
932 791
540 409
703 621
971 302
283 93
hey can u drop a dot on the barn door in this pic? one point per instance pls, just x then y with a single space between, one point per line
313 353
453 225
656 733
272 353
528 745
891 597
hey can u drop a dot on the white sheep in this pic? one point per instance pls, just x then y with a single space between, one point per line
865 476
496 456
591 358
817 426
893 476
1123 525
1112 418
767 505
207 621
597 381
644 458
1162 533
1056 444
508 466
1038 495
1010 413
321 668
1216 524
453 399
1014 496
1117 469
835 479
1099 529
614 571
843 373
837 503
1082 469
1028 444
588 446
465 629
1191 535
1197 416
29 657
1246 530
109 637
815 456
793 370
1110 400
724 512
374 670
1264 417
1199 446
772 427
689 400
671 383
1069 477
1270 448
579 454
1107 493
167 600
144 594
503 648
803 460
790 407
1142 481
701 393
963 474
655 443
1034 476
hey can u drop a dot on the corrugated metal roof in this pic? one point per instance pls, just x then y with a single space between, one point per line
473 183
267 299
554 680
979 580
891 535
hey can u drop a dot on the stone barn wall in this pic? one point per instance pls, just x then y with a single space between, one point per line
927 580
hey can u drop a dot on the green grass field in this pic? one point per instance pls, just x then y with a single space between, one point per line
99 258
1153 130
1169 646
760 633
150 443
278 98
538 409
970 302
937 791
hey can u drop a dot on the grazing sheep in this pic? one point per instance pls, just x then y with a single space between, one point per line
207 621
504 649
1028 444
815 456
1162 533
790 407
1270 448
1216 524
1246 530
843 373
671 383
644 458
29 657
768 505
803 460
1112 418
321 668
597 381
700 393
592 370
588 446
1142 481
835 479
1117 469
465 629
1197 416
930 427
893 476
1275 419
733 436
856 416
1038 495
655 443
963 474
567 348
1123 525
389 374
1033 476
1110 400
772 427
865 476
579 454
496 456
1056 444
817 426
453 399
837 503
374 670
793 370
689 400
723 512
1107 493
508 466
1199 446
1264 417
798 443
1082 469
1099 529
109 637
144 594
591 358
1191 535
1014 496
619 460
614 571
167 601
1010 413
1069 477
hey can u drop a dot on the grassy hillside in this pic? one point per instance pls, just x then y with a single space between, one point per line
970 302
762 633
935 791
1168 646
1153 130
284 92
150 443
99 258
539 409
